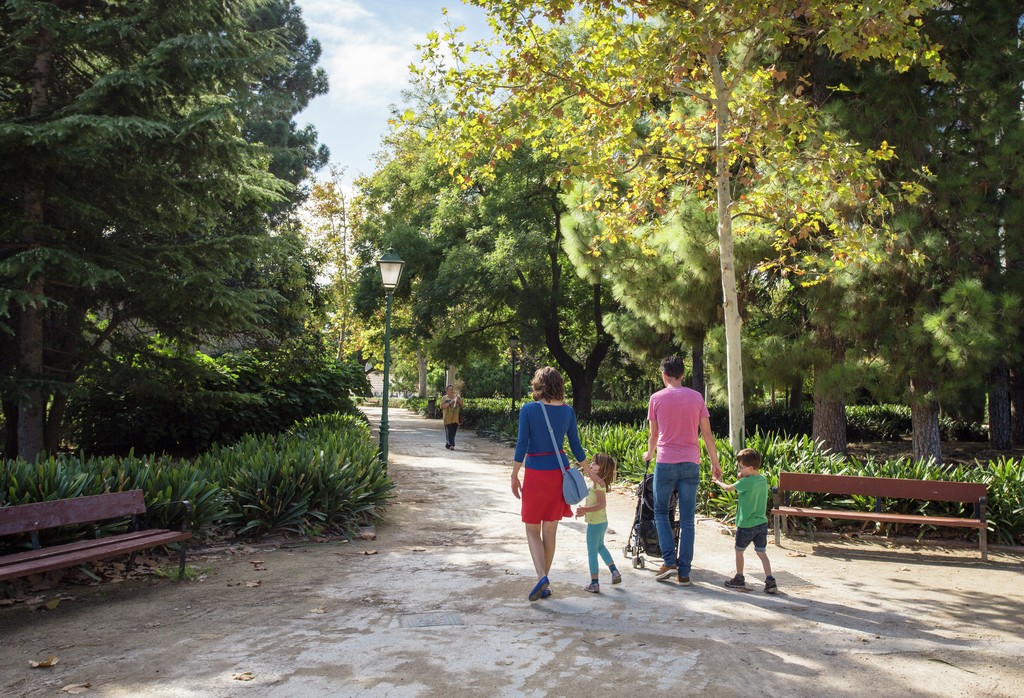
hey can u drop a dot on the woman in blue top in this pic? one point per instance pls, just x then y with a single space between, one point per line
541 489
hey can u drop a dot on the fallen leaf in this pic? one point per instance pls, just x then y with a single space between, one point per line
7 602
256 562
796 555
419 550
77 687
318 609
253 585
48 662
244 676
369 552
903 569
52 604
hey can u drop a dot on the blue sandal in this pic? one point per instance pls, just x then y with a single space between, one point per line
538 590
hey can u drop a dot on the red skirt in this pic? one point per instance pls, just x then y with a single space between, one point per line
542 497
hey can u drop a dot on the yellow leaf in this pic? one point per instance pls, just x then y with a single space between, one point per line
44 664
244 676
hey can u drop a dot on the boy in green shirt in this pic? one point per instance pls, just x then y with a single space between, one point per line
751 517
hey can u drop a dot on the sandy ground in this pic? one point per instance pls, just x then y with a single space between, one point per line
436 606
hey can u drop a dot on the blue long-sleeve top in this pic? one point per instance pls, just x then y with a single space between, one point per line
534 443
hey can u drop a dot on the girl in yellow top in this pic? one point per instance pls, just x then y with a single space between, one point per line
602 473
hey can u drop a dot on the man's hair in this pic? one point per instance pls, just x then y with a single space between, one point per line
749 457
672 366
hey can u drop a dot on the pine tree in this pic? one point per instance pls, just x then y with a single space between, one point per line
129 194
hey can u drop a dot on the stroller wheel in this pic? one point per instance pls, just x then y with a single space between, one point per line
638 563
627 551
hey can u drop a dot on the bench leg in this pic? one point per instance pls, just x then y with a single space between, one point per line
777 541
181 561
131 562
983 542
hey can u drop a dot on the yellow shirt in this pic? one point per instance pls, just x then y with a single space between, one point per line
595 517
451 407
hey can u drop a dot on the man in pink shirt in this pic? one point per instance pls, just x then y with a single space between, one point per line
678 415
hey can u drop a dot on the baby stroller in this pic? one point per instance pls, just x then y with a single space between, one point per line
643 536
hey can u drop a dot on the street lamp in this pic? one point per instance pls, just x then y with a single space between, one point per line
513 344
390 272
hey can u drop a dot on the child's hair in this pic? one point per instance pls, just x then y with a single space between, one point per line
605 467
749 457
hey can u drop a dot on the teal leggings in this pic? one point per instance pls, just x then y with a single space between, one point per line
595 547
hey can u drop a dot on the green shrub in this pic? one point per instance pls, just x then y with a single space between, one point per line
324 473
163 401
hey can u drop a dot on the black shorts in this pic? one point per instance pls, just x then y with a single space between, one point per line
758 535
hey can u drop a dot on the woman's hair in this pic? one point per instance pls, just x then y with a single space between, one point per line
605 467
547 384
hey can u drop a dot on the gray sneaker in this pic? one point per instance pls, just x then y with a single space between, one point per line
736 582
770 587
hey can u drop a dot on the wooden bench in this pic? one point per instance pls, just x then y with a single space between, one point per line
882 488
33 518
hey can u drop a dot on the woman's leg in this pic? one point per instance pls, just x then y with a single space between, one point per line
550 530
533 539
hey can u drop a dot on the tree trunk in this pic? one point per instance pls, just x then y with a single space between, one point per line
829 422
55 422
581 376
795 395
727 260
1017 407
697 379
924 419
829 427
32 403
999 429
10 429
421 365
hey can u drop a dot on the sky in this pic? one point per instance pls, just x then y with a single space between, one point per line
367 48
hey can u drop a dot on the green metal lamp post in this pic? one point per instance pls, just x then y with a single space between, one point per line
390 272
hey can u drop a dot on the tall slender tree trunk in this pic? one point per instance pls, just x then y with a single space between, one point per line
727 259
32 404
924 419
421 366
999 427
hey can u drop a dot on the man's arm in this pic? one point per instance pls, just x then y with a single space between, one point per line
709 444
652 441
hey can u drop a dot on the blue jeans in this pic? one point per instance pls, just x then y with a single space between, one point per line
682 478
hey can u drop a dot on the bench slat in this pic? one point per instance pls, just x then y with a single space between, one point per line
74 554
890 488
38 516
84 544
952 521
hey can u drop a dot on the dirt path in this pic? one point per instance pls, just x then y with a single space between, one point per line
436 606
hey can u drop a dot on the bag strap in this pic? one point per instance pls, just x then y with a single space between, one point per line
554 442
